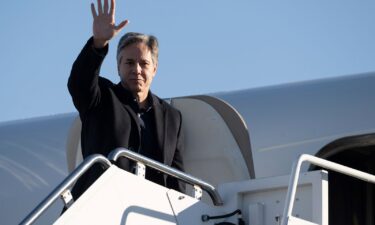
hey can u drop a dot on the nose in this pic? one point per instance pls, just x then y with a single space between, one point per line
137 68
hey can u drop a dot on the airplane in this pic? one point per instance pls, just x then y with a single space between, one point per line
242 143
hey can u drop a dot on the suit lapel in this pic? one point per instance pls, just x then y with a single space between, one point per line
160 125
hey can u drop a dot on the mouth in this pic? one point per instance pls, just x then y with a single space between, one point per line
135 80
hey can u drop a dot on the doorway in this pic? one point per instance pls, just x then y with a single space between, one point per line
351 201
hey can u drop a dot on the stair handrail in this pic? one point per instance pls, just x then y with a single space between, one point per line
210 189
64 185
292 188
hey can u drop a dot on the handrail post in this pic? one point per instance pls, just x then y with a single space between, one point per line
65 184
211 190
292 188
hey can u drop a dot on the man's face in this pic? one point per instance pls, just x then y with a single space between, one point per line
136 68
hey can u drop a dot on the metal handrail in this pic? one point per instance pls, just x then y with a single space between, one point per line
324 164
65 184
123 152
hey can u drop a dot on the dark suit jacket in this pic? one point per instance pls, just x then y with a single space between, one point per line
109 122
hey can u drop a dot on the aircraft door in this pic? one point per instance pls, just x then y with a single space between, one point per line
217 145
351 201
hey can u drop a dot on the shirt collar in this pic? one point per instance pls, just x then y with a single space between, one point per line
127 97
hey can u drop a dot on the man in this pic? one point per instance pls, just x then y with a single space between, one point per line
126 114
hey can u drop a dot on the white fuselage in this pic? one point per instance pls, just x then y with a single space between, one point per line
283 122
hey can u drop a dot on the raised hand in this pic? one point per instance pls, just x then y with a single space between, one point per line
104 27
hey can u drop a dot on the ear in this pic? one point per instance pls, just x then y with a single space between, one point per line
118 66
155 69
118 70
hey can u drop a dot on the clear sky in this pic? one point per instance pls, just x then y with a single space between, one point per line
205 46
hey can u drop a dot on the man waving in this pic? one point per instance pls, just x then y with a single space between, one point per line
126 114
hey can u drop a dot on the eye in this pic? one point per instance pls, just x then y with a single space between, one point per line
145 63
129 62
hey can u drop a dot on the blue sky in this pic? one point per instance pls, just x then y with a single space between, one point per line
205 46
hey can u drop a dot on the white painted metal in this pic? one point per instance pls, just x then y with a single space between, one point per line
256 214
119 197
63 186
198 192
32 164
189 211
262 200
142 161
183 176
284 121
298 221
67 198
324 164
73 145
140 170
211 153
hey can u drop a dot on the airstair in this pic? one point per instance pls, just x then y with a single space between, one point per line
120 197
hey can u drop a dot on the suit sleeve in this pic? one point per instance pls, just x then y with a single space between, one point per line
83 84
177 162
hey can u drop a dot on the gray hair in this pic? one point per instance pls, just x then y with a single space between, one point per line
131 38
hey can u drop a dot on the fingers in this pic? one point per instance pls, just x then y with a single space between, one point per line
103 10
100 7
113 7
105 6
93 11
121 25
